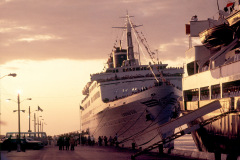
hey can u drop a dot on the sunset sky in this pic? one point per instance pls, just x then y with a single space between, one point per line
54 46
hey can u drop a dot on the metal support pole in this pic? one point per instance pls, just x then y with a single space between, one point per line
35 122
19 146
29 119
38 126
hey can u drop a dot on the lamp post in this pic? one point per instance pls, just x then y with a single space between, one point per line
19 129
38 125
39 109
42 125
11 75
34 122
29 116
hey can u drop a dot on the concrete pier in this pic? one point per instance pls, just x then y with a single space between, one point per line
83 153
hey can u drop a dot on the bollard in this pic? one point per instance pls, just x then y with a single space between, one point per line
160 148
133 146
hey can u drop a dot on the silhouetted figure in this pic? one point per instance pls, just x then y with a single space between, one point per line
63 142
23 144
100 141
92 140
9 144
89 140
110 141
60 142
82 140
116 139
67 143
105 140
72 143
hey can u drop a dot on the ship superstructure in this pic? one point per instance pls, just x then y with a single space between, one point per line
129 99
212 72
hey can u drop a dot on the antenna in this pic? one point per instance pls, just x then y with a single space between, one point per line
217 5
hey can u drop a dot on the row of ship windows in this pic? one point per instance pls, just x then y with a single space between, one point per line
134 69
229 89
92 87
86 105
94 97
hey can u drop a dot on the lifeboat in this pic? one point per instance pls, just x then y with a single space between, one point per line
234 22
217 36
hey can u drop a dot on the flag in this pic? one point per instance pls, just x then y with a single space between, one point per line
229 4
81 108
40 109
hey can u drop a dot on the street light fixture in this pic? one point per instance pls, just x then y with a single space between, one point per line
10 74
20 110
19 130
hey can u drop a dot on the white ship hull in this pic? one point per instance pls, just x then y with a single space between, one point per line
128 117
128 99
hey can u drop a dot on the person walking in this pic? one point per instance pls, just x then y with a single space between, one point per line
60 142
116 140
89 140
72 143
105 141
67 142
92 140
100 141
9 144
110 141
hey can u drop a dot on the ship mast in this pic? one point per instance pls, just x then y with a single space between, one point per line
130 53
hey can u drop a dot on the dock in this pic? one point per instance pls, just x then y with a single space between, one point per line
102 153
84 153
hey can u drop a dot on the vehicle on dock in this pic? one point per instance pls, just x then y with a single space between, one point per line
129 100
26 143
37 136
212 72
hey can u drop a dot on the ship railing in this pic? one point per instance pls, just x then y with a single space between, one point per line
130 70
138 76
228 103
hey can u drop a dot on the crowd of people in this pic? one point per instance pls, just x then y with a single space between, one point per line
101 141
66 141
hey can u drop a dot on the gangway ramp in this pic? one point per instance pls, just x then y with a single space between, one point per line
184 120
169 126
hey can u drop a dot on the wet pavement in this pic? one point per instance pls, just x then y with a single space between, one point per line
82 153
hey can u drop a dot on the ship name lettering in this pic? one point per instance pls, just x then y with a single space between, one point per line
129 113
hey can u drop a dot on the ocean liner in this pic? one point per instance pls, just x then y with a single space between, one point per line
128 99
212 72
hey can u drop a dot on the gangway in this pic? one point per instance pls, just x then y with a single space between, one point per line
184 120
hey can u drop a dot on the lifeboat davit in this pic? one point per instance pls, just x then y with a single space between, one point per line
234 22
